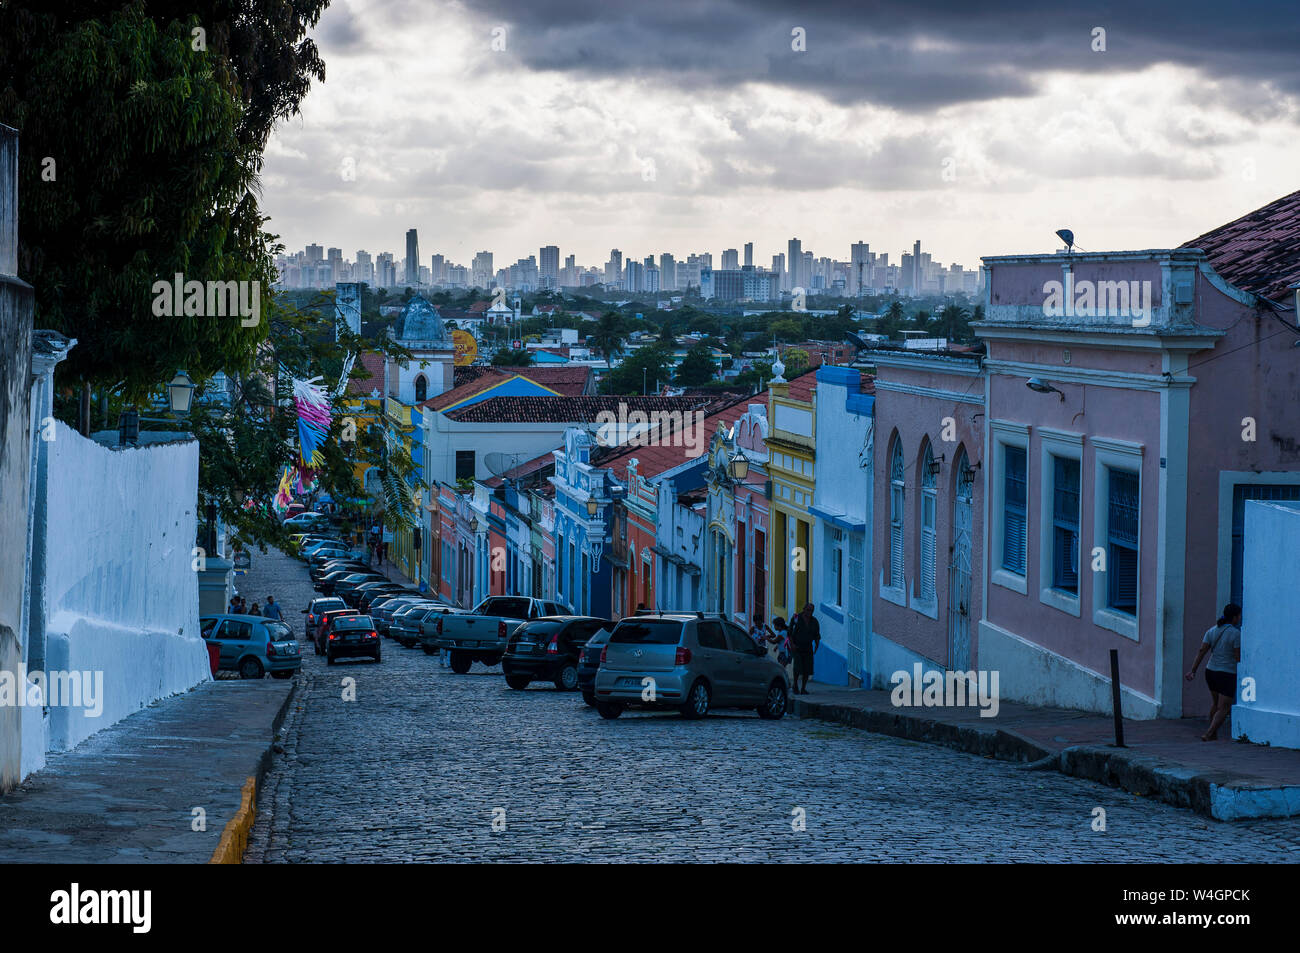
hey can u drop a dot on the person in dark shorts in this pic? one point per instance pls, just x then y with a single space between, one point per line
805 638
1222 643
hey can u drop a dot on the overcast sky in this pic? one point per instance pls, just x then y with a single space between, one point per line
978 128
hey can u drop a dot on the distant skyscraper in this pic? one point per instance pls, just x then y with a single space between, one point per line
778 269
614 268
730 260
315 254
438 269
667 272
859 267
481 272
548 263
749 254
385 270
915 278
569 276
794 261
412 257
365 267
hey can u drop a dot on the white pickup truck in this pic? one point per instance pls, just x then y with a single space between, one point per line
481 635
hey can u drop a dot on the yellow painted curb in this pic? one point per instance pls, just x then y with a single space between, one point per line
230 849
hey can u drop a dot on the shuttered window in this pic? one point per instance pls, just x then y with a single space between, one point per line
1122 537
1065 524
928 507
1013 509
896 516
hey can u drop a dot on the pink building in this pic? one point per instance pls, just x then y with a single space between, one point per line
1135 401
928 513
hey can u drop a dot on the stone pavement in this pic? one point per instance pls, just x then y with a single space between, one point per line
405 761
127 794
1162 758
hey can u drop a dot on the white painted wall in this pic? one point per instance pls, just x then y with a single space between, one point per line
1270 652
121 594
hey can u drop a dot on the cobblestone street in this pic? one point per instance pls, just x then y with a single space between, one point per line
423 762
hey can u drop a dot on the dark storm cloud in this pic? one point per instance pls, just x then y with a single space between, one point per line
907 54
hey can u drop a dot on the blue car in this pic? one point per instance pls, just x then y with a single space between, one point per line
252 645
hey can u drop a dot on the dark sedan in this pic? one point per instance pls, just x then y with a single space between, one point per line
547 649
352 636
589 665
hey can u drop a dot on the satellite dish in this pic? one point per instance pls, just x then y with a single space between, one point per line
1067 236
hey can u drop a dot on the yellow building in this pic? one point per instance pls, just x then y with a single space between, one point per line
791 444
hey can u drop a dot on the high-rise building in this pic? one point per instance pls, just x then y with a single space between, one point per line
730 260
548 264
794 259
364 269
335 258
438 270
778 269
482 274
749 254
634 276
614 268
859 267
569 274
412 257
386 270
667 272
315 254
917 272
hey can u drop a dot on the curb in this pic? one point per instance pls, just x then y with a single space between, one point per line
234 838
1217 795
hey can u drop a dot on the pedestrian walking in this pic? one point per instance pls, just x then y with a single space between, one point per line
255 610
805 639
272 609
234 605
1222 643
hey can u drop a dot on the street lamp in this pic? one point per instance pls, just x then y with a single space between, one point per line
180 392
739 466
592 506
1040 386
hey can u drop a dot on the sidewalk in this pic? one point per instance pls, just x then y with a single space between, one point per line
1163 759
127 794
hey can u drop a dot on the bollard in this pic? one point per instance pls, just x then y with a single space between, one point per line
1115 698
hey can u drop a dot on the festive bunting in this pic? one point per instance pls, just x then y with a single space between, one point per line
313 421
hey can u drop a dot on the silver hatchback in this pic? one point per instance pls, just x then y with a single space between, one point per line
690 663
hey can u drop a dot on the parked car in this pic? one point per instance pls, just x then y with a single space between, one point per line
589 664
367 596
427 628
688 663
307 541
383 610
318 572
308 521
252 645
547 649
294 509
326 620
352 636
345 586
317 608
326 583
481 635
405 629
353 595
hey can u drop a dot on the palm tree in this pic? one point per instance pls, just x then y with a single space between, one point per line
608 336
954 322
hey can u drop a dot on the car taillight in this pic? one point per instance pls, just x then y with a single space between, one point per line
501 629
374 635
603 655
683 656
333 637
553 647
270 649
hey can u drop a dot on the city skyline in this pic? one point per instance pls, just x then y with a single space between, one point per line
902 121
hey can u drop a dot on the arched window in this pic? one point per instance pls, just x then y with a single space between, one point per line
928 505
896 515
421 389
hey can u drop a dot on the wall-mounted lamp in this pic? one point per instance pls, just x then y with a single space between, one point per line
739 466
1040 386
592 506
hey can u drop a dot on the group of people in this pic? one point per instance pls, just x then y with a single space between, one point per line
271 610
794 645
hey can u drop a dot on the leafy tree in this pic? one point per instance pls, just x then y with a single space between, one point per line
607 338
796 361
653 361
954 323
787 329
697 367
510 357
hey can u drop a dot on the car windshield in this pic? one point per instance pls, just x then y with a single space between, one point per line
325 605
279 632
600 638
643 632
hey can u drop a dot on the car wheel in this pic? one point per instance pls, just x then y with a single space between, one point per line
775 704
283 674
518 681
566 680
697 701
250 668
589 698
460 662
376 655
609 709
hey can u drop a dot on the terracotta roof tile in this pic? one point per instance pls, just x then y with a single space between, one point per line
1259 252
363 387
560 409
